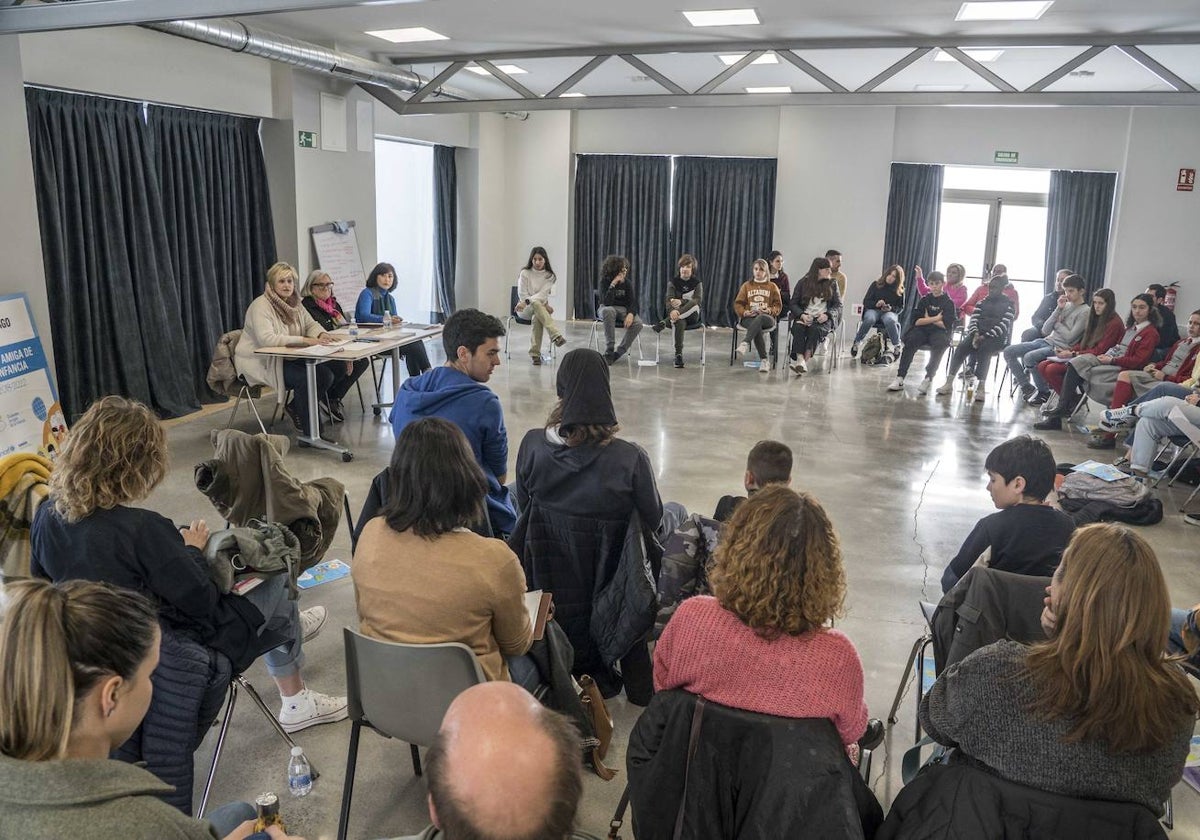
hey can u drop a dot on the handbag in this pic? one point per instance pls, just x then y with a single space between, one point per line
602 724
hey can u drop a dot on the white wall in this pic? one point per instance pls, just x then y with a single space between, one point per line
1156 234
137 63
20 239
832 189
749 132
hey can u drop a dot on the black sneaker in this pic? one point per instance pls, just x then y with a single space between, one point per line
659 327
678 360
610 356
1053 423
1028 392
1038 398
294 415
620 352
337 411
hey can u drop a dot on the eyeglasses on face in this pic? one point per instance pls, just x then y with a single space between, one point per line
322 285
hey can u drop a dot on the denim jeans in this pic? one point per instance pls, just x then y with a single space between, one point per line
283 617
871 317
228 817
1023 358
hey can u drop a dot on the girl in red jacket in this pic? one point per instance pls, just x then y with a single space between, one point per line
1104 329
1088 371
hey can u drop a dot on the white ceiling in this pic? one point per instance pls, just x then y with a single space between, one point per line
480 27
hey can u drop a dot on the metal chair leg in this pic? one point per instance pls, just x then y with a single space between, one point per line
212 771
912 656
348 784
416 759
236 406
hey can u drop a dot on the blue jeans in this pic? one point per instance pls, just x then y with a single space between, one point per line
871 317
228 817
523 671
283 617
1023 358
1163 389
1175 637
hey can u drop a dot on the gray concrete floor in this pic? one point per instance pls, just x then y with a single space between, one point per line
901 476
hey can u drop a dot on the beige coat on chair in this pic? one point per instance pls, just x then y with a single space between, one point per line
264 328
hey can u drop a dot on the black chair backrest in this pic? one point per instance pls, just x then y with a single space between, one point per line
512 307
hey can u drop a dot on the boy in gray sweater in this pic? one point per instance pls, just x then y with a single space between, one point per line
1063 328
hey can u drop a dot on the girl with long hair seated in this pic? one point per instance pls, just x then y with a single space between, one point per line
75 665
763 641
1098 711
422 577
816 310
1103 330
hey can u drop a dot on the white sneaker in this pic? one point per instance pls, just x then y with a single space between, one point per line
925 385
980 396
897 384
310 708
947 389
764 366
798 367
311 621
802 363
742 349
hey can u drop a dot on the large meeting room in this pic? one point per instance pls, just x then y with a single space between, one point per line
531 420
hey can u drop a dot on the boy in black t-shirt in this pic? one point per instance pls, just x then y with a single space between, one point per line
769 462
1027 536
934 321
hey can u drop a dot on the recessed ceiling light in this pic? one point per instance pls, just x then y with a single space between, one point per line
770 89
1003 10
572 94
723 17
407 36
510 69
940 88
978 55
734 58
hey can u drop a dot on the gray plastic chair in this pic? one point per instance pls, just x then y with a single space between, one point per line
920 649
401 691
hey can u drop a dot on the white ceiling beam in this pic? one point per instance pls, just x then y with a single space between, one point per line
436 82
636 63
915 55
1148 39
741 100
517 88
1075 63
730 71
828 81
980 71
576 77
1156 68
88 14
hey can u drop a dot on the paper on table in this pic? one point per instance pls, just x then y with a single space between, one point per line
316 349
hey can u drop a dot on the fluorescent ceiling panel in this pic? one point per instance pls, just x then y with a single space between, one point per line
572 94
510 69
939 88
1003 10
723 17
770 89
734 58
978 55
409 35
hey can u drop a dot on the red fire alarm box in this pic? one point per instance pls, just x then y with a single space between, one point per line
1187 180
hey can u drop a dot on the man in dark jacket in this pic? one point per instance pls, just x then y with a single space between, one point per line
456 392
1168 333
1046 307
618 301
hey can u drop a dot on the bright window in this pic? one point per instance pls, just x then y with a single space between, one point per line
404 215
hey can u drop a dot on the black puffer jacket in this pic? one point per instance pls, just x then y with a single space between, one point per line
752 777
962 802
190 683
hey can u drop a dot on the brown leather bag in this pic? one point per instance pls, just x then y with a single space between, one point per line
602 724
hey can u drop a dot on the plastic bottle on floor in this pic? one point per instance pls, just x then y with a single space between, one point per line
299 773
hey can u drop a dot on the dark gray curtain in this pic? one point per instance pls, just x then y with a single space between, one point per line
622 206
114 315
911 232
725 218
217 221
445 231
1078 218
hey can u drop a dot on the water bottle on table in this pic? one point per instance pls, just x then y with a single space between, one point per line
353 327
299 773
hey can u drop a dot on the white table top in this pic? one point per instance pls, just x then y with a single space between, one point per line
371 342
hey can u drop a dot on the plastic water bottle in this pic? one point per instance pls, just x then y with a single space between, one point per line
299 773
353 327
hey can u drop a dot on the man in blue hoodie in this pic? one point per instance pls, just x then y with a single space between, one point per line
456 392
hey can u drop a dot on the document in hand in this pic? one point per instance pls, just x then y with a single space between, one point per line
538 604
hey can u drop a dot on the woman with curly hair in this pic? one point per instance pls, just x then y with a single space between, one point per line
762 641
1098 710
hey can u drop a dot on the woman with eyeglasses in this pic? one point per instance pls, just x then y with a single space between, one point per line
318 298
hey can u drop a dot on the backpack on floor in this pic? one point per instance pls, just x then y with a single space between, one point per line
871 349
1124 492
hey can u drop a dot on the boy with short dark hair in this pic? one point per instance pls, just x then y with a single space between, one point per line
933 322
1027 536
769 462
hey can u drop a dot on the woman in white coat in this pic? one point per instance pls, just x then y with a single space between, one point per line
274 319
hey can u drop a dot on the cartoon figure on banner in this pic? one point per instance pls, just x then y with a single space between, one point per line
54 432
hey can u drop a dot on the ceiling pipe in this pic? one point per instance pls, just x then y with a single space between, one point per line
240 37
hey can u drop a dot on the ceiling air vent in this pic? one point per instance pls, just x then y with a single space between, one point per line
1082 74
640 79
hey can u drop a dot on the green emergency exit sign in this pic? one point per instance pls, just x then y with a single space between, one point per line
1001 157
306 139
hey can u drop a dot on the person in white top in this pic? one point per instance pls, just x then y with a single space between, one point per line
276 318
535 284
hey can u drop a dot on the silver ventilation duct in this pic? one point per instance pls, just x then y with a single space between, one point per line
244 38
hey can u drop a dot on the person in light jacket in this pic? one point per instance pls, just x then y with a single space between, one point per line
535 284
276 318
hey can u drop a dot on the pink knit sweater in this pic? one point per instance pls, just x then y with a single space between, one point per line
707 650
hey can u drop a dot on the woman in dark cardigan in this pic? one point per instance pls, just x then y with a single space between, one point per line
318 298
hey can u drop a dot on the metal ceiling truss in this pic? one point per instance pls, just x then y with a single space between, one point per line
1003 92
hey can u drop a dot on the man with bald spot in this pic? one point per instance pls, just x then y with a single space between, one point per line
503 767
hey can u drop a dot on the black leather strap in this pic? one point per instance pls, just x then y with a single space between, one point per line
693 741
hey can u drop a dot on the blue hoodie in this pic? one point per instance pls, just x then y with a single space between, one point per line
473 407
